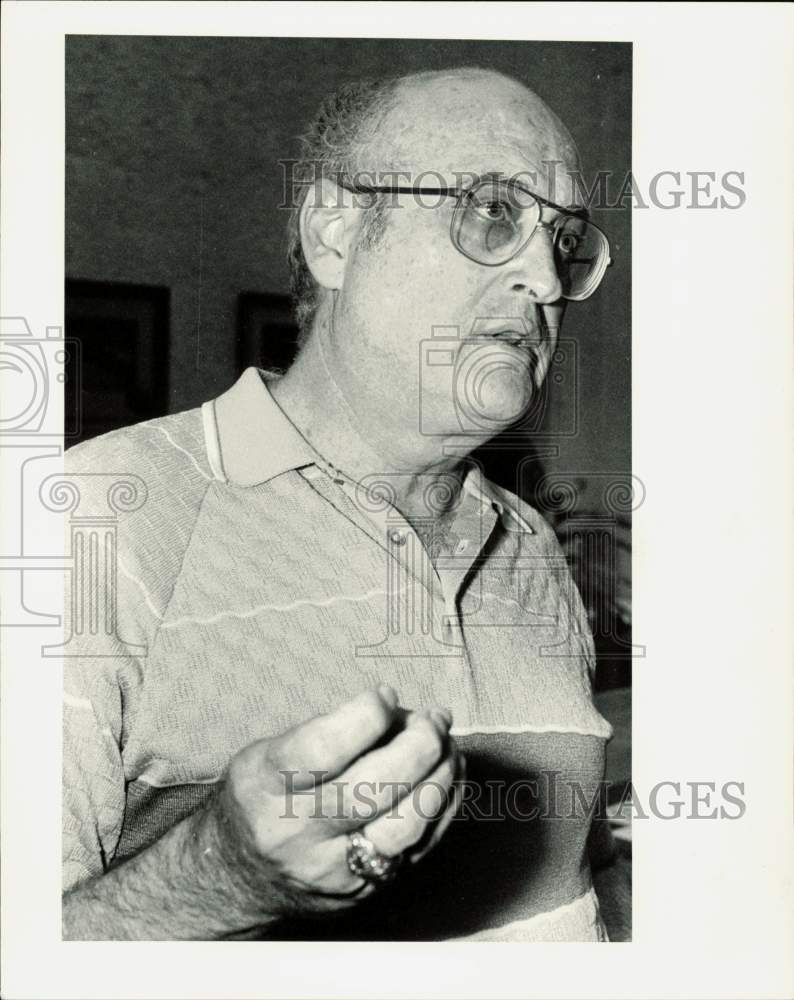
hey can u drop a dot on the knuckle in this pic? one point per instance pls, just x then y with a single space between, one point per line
429 799
318 747
428 740
447 770
276 753
375 711
394 838
243 778
411 831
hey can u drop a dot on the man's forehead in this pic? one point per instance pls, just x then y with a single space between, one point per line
477 122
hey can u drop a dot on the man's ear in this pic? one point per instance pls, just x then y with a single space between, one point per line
328 225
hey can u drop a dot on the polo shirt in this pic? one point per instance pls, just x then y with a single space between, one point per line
256 586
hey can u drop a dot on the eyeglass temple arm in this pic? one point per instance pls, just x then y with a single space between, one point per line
399 189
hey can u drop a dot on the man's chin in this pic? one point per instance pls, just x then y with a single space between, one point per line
496 389
500 405
476 426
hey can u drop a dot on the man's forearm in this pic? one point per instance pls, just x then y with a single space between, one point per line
184 887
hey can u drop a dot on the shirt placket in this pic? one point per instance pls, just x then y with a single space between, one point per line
471 529
414 588
426 591
415 570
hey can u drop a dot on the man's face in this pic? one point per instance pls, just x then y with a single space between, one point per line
479 377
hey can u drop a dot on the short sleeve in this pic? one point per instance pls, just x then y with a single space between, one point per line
134 495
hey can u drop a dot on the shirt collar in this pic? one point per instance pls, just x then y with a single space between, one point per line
249 438
478 486
491 495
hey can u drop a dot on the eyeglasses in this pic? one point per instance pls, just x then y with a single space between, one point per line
496 217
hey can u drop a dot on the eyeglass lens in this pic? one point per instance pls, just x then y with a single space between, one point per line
495 220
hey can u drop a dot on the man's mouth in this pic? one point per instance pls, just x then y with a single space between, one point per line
512 338
514 332
522 339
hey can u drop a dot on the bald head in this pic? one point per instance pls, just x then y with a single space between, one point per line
470 120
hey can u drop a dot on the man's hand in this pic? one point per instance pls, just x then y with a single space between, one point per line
288 803
273 841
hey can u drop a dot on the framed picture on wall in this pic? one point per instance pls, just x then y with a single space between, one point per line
123 333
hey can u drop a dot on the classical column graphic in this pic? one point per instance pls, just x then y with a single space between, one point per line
593 540
93 503
409 573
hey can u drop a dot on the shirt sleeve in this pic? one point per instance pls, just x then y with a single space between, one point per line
106 637
136 494
93 772
98 698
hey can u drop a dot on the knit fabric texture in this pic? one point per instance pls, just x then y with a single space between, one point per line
255 586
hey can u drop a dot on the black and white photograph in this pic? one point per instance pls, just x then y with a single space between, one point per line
351 566
367 462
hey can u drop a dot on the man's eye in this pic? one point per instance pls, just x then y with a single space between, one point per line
567 243
494 210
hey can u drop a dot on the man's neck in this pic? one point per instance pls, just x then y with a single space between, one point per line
311 397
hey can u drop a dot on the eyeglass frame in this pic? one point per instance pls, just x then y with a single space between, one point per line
459 193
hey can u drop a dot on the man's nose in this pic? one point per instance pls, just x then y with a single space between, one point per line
534 271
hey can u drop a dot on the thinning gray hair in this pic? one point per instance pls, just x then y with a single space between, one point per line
336 144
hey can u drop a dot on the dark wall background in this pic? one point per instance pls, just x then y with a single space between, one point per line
173 180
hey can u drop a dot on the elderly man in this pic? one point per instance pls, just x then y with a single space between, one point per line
323 605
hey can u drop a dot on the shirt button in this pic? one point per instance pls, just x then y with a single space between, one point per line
397 537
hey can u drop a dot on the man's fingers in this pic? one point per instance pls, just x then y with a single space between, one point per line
321 748
379 779
427 810
404 826
437 829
